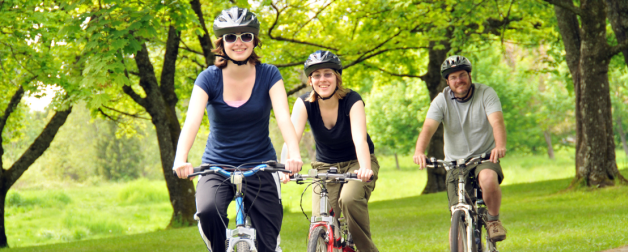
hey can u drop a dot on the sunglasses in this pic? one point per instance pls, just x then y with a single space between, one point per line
244 37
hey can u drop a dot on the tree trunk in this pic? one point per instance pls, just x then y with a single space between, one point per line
397 162
618 15
548 140
35 150
435 84
621 133
159 102
588 56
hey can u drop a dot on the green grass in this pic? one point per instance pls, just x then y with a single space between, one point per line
539 215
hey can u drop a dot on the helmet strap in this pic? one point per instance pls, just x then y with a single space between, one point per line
464 99
237 62
323 98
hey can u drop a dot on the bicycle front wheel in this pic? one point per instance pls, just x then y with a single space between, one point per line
242 246
317 242
458 236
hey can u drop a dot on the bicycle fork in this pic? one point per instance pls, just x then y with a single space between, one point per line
243 231
468 218
333 238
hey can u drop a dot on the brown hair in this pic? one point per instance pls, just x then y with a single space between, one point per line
221 62
340 93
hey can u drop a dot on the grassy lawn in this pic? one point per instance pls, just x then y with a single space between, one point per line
537 212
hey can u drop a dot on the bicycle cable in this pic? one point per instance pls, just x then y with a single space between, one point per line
216 205
303 193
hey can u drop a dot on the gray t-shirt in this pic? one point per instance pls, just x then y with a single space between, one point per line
467 129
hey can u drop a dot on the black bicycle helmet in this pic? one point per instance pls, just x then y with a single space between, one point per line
454 63
322 59
235 20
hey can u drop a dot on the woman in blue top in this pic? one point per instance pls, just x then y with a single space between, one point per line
338 123
238 93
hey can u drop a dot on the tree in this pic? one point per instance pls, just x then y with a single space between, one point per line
395 115
29 60
149 33
588 53
117 157
391 37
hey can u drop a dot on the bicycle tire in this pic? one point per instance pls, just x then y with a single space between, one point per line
242 246
458 231
317 242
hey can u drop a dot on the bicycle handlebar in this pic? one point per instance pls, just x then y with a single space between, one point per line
478 159
334 176
268 166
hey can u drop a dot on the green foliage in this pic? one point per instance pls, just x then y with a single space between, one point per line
117 158
395 114
532 102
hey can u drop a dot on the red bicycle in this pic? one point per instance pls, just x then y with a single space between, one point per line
327 233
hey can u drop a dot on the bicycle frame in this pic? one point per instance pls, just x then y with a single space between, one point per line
471 212
335 240
243 231
467 209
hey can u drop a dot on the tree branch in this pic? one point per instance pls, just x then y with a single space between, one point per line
315 16
15 100
124 113
205 40
279 38
136 97
618 48
296 89
169 67
364 57
108 116
569 7
185 47
289 64
395 74
37 148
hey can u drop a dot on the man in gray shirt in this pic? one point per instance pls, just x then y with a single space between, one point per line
472 116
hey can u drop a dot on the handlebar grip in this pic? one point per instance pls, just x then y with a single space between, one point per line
355 176
196 169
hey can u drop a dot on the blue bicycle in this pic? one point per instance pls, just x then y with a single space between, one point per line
242 238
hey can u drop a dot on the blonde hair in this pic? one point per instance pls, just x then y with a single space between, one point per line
340 93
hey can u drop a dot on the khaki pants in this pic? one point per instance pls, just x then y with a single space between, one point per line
352 198
452 180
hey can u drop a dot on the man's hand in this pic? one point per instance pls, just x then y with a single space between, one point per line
420 159
364 174
497 153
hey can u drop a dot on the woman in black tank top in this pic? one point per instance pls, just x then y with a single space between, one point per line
338 123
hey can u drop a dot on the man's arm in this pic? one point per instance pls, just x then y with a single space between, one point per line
496 119
429 128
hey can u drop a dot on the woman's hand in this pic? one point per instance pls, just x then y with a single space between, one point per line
284 177
364 174
294 164
183 170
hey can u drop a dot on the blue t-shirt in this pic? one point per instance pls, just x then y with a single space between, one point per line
238 135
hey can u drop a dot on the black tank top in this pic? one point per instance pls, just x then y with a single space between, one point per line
336 144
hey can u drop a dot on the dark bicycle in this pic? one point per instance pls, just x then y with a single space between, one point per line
242 238
469 216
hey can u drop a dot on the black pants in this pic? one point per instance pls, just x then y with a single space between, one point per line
214 193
